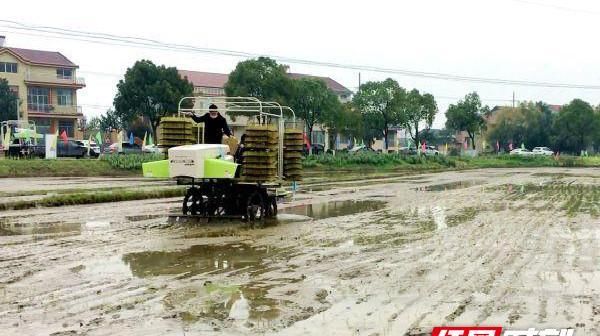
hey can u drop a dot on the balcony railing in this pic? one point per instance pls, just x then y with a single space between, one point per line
58 109
53 78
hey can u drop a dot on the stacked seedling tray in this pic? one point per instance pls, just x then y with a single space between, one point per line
292 154
260 154
176 131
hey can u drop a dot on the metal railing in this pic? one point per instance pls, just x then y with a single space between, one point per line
58 109
53 78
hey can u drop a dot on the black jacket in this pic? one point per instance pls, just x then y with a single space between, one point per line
213 128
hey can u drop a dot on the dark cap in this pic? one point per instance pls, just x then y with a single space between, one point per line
213 107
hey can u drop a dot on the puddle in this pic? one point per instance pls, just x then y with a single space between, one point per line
140 218
224 302
333 209
41 228
197 259
449 186
10 229
206 299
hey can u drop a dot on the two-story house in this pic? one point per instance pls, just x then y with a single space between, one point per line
46 84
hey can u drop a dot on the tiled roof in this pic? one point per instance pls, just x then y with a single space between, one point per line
555 108
205 79
41 56
331 84
218 80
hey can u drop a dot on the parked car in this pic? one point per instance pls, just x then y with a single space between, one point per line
151 149
72 148
430 151
542 151
360 149
126 149
407 150
94 148
521 151
316 149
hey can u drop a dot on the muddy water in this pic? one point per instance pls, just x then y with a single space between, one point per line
333 209
449 255
198 259
450 186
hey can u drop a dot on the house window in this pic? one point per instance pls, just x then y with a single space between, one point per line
42 126
67 126
8 67
64 96
63 73
38 99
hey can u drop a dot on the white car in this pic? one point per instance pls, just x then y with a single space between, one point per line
429 151
520 151
542 151
151 149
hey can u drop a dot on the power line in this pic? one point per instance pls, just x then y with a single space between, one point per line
111 39
557 7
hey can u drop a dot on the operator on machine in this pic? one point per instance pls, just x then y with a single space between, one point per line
215 125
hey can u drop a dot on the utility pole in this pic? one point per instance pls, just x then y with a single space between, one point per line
513 100
359 80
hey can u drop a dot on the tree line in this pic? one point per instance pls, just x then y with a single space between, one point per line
148 92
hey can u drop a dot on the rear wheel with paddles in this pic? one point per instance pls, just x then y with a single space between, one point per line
255 208
194 202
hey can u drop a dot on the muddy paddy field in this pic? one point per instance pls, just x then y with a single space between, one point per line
348 255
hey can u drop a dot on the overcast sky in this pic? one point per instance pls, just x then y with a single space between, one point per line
537 40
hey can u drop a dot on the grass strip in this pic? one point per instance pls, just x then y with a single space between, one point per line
94 197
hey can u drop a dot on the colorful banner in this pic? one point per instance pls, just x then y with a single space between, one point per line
6 140
64 137
99 139
51 142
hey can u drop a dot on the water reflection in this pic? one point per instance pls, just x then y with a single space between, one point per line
196 259
333 209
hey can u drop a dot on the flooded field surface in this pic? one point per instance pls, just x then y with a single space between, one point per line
377 255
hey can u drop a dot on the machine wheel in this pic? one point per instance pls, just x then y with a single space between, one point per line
272 208
193 202
255 207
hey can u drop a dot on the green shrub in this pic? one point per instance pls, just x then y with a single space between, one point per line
131 161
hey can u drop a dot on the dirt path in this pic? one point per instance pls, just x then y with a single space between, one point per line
392 256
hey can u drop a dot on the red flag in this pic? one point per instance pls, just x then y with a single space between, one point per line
423 147
64 137
306 141
466 145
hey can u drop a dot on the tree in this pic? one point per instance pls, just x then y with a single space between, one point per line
261 78
150 91
9 102
346 120
313 102
380 104
532 124
110 121
575 126
509 127
415 109
467 115
93 124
